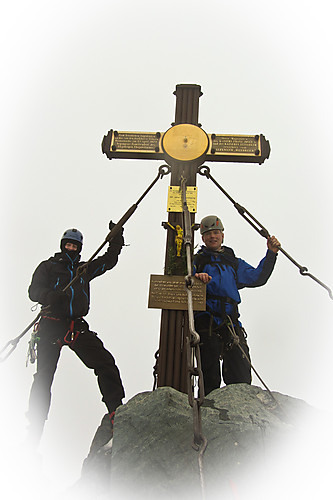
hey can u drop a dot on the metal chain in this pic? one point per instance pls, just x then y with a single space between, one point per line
162 171
196 392
205 171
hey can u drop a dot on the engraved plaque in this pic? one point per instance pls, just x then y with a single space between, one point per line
135 141
192 147
169 292
175 199
236 145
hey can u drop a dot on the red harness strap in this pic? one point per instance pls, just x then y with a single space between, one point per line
71 335
50 317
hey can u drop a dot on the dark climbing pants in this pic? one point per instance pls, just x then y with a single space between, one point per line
89 348
216 345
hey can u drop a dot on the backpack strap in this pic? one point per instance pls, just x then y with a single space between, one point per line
226 257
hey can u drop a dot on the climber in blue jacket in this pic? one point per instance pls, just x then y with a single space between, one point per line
217 266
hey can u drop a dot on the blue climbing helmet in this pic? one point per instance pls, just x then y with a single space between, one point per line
72 235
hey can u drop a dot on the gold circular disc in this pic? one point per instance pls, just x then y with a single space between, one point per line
185 142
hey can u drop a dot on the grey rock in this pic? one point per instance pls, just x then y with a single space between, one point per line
152 453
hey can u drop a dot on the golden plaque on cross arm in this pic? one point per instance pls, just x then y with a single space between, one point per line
240 145
135 141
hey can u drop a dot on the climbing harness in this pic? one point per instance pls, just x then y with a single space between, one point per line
205 171
196 391
12 344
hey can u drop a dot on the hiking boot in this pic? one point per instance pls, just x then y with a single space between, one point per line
100 447
104 433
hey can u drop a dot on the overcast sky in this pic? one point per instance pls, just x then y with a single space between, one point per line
71 71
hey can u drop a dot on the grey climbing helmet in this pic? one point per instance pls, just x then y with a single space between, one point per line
209 223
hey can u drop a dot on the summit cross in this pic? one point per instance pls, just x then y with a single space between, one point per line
184 147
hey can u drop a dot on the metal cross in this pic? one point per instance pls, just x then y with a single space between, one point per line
184 147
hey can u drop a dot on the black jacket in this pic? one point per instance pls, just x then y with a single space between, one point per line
56 272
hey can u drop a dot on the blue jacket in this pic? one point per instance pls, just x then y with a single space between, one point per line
229 274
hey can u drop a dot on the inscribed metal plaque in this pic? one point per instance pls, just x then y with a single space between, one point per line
236 144
135 141
169 292
175 199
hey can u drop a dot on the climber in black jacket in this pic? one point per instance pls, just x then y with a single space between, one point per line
62 324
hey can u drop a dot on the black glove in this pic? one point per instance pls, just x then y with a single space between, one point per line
59 302
119 238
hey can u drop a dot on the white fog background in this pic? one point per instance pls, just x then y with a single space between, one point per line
72 70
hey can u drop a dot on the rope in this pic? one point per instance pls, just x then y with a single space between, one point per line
162 171
196 394
205 171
